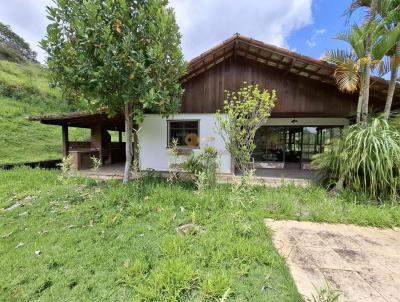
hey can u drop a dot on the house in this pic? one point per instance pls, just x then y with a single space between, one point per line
309 111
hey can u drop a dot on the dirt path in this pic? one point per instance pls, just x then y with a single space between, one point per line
362 263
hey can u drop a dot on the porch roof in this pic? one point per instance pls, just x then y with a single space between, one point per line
83 120
280 58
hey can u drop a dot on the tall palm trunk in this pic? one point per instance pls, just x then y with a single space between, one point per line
360 97
394 66
367 75
359 106
365 89
128 144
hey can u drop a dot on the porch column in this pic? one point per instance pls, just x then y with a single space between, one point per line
65 140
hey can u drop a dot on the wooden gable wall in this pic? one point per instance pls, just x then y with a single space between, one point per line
297 96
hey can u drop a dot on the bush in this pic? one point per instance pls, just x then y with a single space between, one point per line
244 112
203 167
366 158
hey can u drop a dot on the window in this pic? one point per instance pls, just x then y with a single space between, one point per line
185 132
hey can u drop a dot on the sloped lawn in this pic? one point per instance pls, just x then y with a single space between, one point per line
101 241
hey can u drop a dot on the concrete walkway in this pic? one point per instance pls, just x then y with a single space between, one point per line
362 263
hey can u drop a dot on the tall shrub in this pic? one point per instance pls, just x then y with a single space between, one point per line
366 158
244 112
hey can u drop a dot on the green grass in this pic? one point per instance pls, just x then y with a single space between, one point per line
108 242
25 91
27 76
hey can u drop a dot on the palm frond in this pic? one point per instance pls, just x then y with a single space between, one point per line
346 73
385 41
354 6
381 67
355 37
347 76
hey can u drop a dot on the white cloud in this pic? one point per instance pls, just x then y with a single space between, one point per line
203 23
312 41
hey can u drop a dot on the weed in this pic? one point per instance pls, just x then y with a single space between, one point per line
325 294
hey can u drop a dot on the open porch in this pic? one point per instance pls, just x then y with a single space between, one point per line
105 141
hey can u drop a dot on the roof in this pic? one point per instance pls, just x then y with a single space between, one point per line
236 46
277 57
82 120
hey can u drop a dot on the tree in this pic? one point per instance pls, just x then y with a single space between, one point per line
389 10
355 65
244 112
387 13
13 47
122 55
351 65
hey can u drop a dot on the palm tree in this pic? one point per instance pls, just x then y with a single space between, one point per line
387 12
390 13
394 67
354 66
349 71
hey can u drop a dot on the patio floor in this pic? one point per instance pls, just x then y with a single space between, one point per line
287 173
362 263
270 177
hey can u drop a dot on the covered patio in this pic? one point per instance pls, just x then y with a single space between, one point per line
103 143
106 143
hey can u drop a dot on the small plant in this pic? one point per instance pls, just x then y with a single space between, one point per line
243 190
173 163
66 166
96 164
203 167
200 181
151 175
325 294
209 157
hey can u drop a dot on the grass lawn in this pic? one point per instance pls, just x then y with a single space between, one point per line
108 242
22 140
25 91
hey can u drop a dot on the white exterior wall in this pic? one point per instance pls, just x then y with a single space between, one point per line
153 138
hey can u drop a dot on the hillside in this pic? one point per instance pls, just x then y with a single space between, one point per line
24 91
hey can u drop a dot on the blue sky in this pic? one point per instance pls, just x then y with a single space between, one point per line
328 20
305 26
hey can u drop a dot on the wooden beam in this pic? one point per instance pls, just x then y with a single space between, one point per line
324 78
235 50
194 72
290 67
65 140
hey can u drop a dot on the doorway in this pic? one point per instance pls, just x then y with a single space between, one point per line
290 147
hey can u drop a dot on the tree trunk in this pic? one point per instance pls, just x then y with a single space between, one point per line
359 103
136 148
365 93
128 143
394 65
367 75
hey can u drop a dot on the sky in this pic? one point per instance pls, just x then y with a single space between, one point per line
304 26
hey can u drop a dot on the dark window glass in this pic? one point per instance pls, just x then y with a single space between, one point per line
185 132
